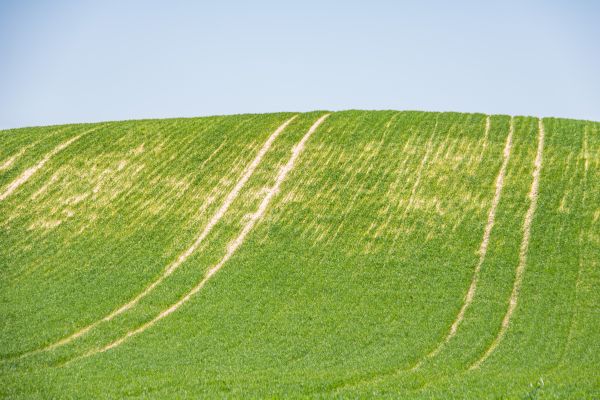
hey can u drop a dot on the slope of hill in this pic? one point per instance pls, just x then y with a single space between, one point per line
347 254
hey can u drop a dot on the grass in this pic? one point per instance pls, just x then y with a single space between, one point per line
354 274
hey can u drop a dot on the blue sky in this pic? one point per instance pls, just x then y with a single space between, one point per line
83 61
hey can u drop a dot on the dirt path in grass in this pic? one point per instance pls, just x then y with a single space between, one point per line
514 296
11 160
231 196
483 246
28 173
486 134
231 247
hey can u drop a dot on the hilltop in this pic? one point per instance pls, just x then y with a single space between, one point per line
323 254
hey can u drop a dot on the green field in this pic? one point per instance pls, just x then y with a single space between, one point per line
351 254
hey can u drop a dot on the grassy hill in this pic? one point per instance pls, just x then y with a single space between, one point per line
348 254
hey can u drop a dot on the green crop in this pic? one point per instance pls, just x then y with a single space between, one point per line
353 254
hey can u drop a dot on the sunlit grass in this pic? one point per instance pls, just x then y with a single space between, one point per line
354 274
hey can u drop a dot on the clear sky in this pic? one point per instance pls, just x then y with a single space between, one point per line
82 61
